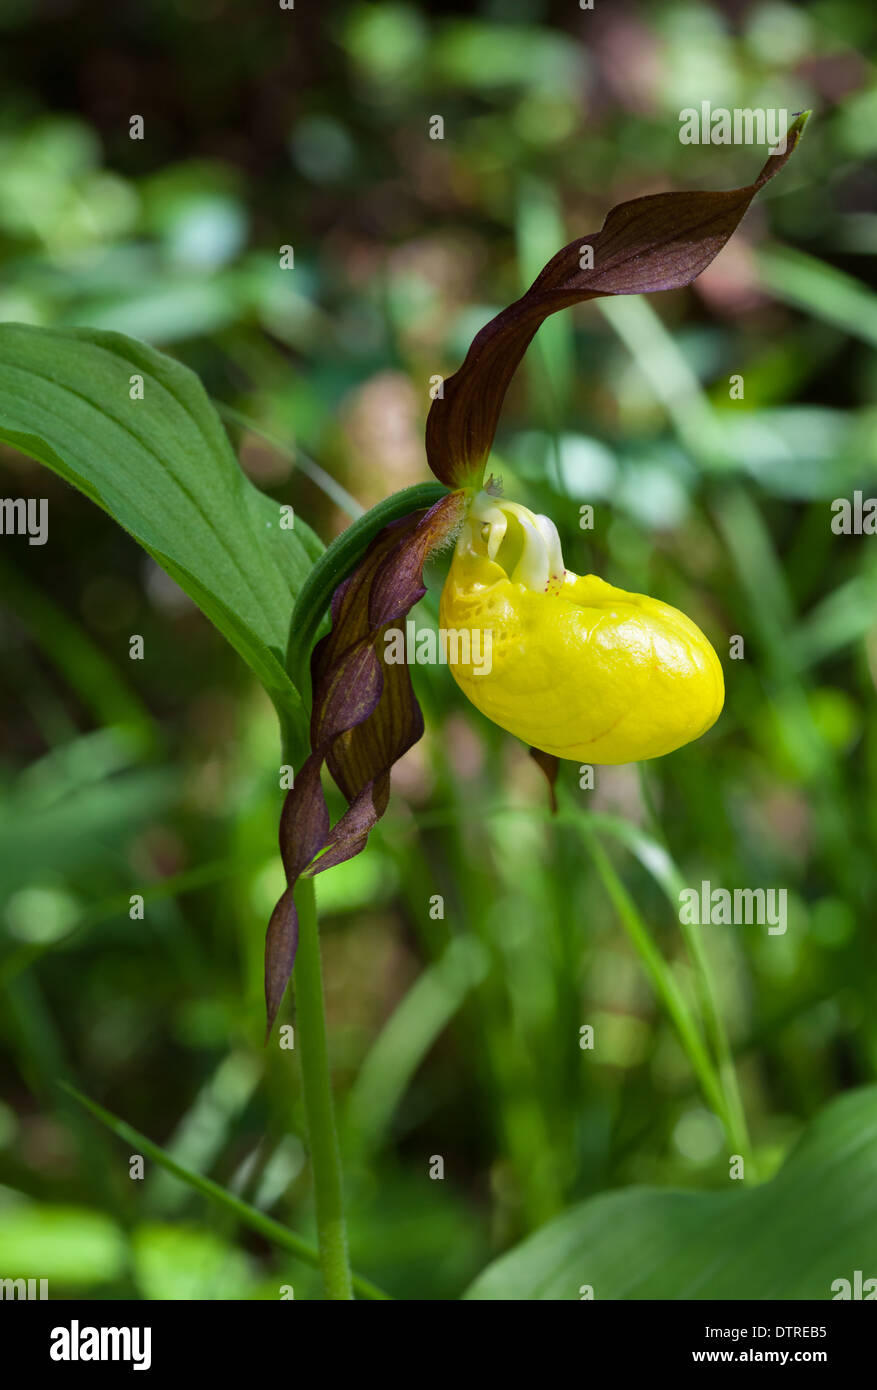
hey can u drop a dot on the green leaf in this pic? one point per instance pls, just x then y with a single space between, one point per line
176 1263
820 289
814 1223
164 470
71 1246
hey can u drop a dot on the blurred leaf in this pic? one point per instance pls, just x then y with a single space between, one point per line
387 40
203 1131
179 1262
82 829
801 451
841 618
70 1245
418 1020
429 1249
80 660
481 55
815 1222
828 293
551 365
323 480
198 212
169 308
164 469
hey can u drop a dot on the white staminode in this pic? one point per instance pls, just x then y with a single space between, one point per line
541 558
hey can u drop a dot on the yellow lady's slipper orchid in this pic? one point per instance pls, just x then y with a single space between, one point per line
577 668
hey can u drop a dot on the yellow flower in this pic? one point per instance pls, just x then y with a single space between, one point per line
570 664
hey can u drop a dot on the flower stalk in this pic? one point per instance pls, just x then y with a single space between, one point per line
319 1105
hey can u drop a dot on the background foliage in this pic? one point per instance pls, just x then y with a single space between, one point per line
456 1037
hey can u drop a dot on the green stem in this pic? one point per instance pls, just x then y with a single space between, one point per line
319 1106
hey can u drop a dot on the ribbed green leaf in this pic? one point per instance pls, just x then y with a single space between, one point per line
791 1238
164 470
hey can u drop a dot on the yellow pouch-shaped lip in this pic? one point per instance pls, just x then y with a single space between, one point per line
570 664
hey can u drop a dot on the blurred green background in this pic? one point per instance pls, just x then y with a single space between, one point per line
459 1036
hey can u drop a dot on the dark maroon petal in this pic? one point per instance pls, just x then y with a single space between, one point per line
350 833
281 944
660 242
365 716
346 690
304 825
362 753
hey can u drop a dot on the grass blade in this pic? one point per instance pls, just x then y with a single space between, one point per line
242 1211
